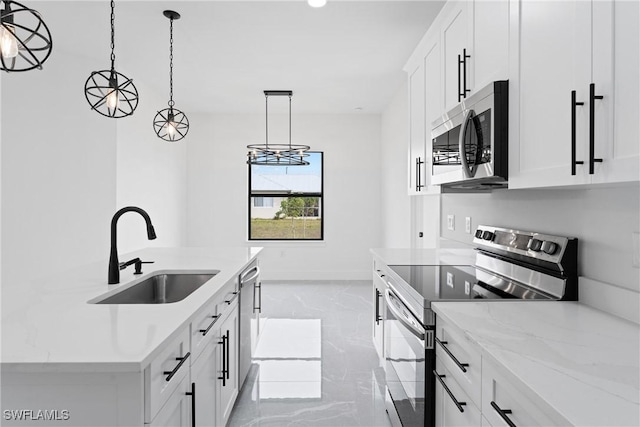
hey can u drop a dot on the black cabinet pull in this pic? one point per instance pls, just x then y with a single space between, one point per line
419 163
228 358
462 76
592 127
463 366
440 379
192 393
230 300
574 162
503 413
378 318
224 361
206 331
170 374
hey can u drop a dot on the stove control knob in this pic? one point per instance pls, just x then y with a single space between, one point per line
487 235
549 247
478 234
534 245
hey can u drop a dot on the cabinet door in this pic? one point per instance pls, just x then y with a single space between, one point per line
490 61
204 376
455 39
416 129
227 356
453 405
552 41
379 287
616 72
176 411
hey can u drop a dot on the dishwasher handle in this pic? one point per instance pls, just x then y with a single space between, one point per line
244 276
407 320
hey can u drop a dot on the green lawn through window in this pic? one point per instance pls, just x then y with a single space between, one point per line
287 228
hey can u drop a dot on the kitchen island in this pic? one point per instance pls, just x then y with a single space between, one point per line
94 364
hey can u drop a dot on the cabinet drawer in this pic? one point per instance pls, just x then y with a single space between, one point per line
228 294
460 357
447 411
165 372
500 394
202 328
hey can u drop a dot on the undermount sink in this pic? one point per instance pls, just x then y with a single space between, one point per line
161 288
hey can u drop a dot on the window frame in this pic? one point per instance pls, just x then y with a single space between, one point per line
280 195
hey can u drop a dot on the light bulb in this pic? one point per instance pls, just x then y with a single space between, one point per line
170 127
8 41
317 3
113 100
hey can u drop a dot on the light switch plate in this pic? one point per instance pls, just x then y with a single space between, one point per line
467 225
450 279
451 222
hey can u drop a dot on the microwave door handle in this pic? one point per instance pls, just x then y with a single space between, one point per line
463 133
418 332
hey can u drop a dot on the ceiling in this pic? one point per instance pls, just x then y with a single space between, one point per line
346 57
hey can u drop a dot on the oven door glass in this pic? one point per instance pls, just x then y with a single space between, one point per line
405 365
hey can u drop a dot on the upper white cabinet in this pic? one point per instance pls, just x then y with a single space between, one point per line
574 109
466 48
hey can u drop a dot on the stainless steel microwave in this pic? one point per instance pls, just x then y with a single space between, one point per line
470 142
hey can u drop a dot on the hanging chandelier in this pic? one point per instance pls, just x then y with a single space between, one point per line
281 154
25 40
109 92
171 124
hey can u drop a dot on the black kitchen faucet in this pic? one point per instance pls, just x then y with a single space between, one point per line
114 265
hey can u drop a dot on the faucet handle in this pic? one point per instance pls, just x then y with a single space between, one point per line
138 265
126 264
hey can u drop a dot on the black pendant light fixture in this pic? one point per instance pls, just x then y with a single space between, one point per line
171 124
279 154
25 40
109 92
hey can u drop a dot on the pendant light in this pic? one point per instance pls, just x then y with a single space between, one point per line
109 92
277 154
171 124
25 40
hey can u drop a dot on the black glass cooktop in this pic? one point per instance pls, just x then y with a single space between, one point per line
460 282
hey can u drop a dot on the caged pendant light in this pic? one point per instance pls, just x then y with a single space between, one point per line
109 92
269 154
25 40
171 124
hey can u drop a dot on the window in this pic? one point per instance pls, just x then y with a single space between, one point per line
285 202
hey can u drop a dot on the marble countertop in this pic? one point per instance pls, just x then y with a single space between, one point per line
55 329
402 256
582 362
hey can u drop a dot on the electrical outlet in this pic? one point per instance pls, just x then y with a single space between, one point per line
467 225
450 279
467 287
451 222
636 249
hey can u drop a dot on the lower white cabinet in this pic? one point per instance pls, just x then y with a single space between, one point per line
204 380
227 369
176 411
379 287
454 407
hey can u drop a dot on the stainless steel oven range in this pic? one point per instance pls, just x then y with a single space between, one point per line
510 264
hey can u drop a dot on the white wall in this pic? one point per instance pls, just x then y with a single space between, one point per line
603 219
217 192
395 203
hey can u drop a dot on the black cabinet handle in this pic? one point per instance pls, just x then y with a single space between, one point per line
462 76
228 358
224 360
419 163
230 300
170 374
192 393
378 318
592 127
463 366
574 162
440 379
459 76
205 331
503 413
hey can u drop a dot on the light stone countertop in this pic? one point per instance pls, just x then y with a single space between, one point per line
582 362
50 327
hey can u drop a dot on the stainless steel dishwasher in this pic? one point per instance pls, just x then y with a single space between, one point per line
250 302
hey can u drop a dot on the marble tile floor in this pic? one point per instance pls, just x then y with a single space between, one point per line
315 364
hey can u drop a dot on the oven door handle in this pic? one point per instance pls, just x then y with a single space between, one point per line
410 324
463 154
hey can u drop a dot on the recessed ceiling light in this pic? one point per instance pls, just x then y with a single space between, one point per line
317 3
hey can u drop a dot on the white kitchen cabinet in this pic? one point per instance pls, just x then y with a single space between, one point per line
454 407
204 377
584 43
490 49
176 411
227 367
379 287
456 47
416 129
